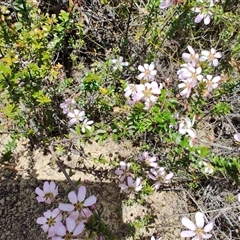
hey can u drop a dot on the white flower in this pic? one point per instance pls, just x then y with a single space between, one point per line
49 221
76 116
130 90
147 72
131 186
49 192
239 197
86 125
187 86
191 57
210 56
186 127
211 82
197 231
124 170
119 64
160 177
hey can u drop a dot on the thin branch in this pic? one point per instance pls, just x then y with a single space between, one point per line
62 168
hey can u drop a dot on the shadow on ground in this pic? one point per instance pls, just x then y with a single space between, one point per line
19 208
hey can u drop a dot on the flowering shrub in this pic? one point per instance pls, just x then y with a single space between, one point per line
191 72
170 89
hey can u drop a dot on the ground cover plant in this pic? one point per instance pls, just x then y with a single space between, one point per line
163 74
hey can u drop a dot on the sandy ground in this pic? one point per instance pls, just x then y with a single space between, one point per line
19 208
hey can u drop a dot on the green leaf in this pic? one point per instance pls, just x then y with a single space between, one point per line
64 16
41 98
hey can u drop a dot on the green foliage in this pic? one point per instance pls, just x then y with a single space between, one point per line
97 227
41 55
9 148
229 166
222 108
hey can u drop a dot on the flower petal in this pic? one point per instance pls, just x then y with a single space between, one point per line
151 67
60 229
237 137
207 19
79 229
199 219
198 18
188 224
72 197
52 186
188 233
45 227
46 187
90 201
118 172
41 220
71 224
67 207
39 192
141 68
130 181
218 55
55 212
81 193
209 227
86 213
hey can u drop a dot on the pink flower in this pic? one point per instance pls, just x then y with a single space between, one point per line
68 105
160 177
79 203
191 57
190 72
124 170
198 231
49 192
131 186
150 161
147 72
71 231
168 3
76 116
211 56
49 221
147 92
204 15
165 4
